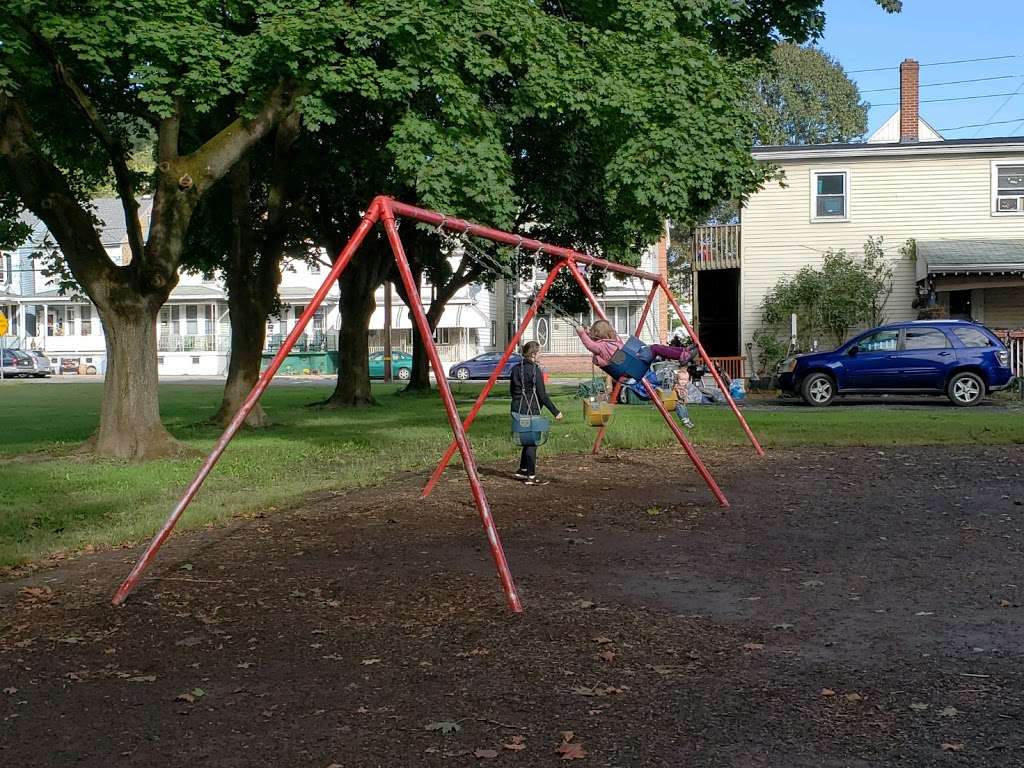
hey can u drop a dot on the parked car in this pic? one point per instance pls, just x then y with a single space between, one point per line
401 365
16 363
482 366
40 363
957 358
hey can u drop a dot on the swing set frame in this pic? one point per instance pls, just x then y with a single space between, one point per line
385 209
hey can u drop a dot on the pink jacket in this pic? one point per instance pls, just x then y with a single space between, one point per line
602 349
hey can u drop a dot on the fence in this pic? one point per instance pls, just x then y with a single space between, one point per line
732 366
1015 343
194 343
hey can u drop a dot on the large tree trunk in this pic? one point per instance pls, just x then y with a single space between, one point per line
248 335
130 426
419 378
357 285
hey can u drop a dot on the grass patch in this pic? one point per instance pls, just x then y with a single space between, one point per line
56 502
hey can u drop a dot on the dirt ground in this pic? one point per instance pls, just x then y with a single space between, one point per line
852 608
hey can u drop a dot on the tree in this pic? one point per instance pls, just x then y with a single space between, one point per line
828 302
807 98
209 80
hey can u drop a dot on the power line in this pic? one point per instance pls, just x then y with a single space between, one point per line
953 98
948 82
939 63
1000 107
982 125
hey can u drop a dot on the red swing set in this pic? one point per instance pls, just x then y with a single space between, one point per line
385 209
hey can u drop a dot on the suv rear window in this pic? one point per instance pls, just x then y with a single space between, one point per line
972 337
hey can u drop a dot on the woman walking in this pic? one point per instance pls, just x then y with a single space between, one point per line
526 385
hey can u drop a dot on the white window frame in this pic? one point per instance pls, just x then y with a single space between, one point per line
814 174
995 188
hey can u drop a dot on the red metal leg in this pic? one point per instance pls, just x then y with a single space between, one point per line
504 574
703 470
339 265
434 478
618 387
711 368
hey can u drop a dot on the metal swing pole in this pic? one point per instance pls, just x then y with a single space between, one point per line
711 367
468 461
618 387
697 462
369 219
513 342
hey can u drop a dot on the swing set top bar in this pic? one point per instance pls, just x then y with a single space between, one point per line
461 226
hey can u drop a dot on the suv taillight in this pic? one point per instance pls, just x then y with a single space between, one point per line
1003 357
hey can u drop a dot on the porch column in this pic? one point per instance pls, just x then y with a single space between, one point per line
46 323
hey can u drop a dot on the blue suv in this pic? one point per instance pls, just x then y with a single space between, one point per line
956 358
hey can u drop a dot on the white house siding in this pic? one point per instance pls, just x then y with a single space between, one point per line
922 197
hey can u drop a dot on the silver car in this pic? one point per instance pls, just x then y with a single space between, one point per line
40 363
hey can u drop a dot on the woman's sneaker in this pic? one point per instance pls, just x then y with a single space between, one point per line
520 475
534 480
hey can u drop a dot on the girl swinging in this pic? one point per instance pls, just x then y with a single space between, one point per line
603 342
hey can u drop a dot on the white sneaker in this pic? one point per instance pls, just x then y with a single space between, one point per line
688 424
520 475
534 480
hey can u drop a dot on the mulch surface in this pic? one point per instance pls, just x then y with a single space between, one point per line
852 607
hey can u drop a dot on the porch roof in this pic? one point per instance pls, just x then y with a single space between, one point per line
983 257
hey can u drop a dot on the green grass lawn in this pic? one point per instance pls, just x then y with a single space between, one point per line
54 501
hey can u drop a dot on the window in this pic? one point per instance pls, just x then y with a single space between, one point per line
195 361
318 320
191 319
972 337
829 195
623 317
1007 189
87 320
925 338
209 318
883 341
542 332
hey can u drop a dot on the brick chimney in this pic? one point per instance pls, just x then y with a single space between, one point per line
909 69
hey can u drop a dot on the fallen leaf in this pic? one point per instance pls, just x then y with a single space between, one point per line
783 626
574 751
142 679
567 735
826 692
753 646
949 712
485 754
12 690
953 746
602 640
608 656
918 706
853 697
188 698
1005 604
812 583
37 594
515 744
198 693
186 567
444 726
367 662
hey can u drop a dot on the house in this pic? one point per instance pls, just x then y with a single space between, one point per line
951 213
194 332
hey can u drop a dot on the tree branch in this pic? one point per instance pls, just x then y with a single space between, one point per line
47 193
113 146
212 160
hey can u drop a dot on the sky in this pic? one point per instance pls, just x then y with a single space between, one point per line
860 35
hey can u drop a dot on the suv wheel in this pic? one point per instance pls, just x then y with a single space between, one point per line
965 389
818 390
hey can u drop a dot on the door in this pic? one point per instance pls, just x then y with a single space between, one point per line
925 358
876 363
